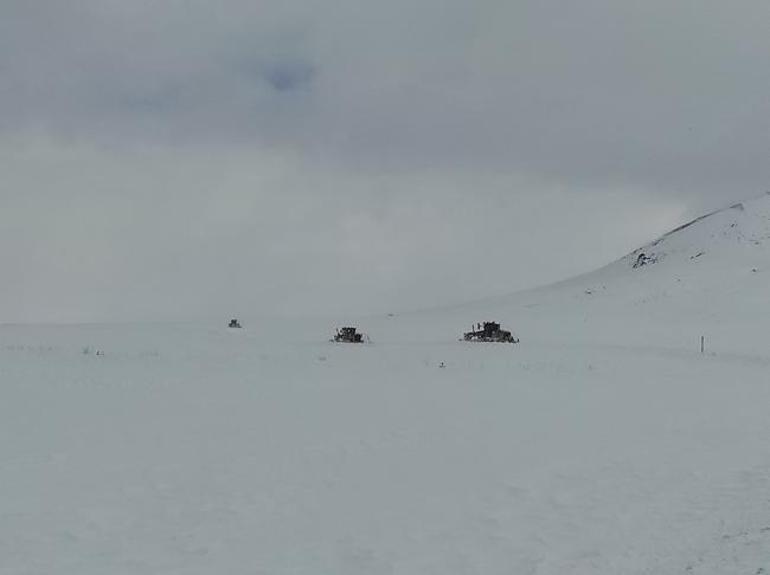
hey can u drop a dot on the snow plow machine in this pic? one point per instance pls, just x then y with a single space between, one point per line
490 332
349 335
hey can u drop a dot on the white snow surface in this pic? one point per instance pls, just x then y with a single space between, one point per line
604 442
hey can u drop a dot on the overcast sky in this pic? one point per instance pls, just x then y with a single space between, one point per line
189 158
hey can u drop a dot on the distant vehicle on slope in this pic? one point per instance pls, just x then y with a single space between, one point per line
490 332
234 323
349 335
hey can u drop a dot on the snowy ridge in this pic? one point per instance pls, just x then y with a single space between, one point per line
742 223
712 254
728 238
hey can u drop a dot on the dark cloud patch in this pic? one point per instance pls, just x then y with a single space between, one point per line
289 76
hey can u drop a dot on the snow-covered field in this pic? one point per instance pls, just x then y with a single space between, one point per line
604 442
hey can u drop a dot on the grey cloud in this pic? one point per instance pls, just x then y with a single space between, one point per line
284 144
671 95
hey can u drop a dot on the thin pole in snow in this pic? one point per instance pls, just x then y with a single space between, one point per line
702 343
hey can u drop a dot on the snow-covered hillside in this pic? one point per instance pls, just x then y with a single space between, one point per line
708 277
604 442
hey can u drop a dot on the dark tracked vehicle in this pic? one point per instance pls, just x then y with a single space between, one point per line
490 332
348 335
